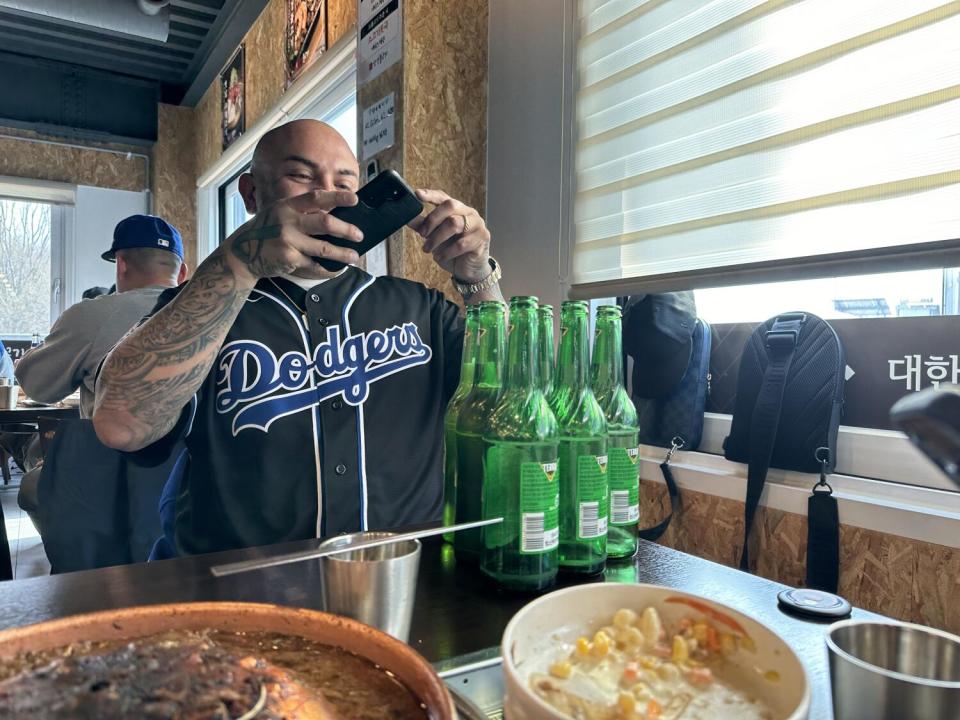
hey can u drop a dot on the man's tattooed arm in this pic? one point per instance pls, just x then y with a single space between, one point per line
155 370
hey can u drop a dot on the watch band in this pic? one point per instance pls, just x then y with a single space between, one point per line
468 289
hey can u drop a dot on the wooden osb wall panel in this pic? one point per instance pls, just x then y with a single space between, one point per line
174 170
208 118
906 579
264 61
445 116
75 165
264 64
341 19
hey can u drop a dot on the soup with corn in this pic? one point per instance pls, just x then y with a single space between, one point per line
635 668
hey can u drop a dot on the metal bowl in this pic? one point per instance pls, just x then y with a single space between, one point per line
891 670
390 654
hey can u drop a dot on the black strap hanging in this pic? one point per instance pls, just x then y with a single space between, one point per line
823 532
654 533
781 344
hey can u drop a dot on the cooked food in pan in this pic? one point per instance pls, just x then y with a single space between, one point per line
212 674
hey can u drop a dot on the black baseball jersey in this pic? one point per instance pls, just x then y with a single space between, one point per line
322 414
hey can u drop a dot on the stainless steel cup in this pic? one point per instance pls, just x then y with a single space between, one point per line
8 396
376 586
893 671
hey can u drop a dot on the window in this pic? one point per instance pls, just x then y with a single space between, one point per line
233 210
721 139
30 274
916 293
775 157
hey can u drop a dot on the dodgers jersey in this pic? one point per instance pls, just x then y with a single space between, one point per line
320 422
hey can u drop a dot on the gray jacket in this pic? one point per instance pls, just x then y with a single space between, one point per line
78 342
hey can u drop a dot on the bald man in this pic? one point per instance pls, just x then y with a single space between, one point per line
311 402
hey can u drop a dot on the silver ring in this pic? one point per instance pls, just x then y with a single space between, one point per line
466 225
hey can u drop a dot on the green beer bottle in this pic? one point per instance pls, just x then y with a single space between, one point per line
623 469
584 500
545 354
472 422
450 419
520 481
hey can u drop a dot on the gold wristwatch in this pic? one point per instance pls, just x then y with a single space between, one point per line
488 282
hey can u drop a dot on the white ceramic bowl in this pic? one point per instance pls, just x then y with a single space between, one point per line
537 634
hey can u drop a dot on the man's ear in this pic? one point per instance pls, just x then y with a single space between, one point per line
182 273
247 187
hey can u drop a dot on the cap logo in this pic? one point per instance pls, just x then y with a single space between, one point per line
163 242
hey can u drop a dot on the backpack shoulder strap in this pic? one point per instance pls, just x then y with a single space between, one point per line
781 344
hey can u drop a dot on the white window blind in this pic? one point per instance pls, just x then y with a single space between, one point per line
716 136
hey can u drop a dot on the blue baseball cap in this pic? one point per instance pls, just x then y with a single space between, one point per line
144 231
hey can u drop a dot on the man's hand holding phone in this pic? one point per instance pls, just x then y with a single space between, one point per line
456 235
283 238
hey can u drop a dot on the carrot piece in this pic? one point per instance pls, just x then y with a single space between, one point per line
713 638
710 612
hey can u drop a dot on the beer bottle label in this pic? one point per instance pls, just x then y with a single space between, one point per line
624 475
593 503
539 508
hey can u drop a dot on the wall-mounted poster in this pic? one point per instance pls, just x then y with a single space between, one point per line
231 92
306 35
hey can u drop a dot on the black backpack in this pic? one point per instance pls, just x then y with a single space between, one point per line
787 415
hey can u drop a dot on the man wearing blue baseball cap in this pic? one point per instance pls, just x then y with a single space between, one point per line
148 252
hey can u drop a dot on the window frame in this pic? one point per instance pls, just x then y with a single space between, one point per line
61 198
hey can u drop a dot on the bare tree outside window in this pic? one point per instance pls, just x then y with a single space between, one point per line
24 267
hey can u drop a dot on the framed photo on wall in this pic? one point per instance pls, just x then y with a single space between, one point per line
306 35
232 81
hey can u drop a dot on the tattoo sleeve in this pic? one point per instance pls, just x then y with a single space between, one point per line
155 370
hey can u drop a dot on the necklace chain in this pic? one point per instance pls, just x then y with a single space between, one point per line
292 301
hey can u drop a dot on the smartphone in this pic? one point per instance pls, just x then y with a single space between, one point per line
931 419
385 204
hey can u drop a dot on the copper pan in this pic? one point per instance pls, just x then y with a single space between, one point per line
390 654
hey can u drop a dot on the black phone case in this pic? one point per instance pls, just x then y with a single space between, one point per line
385 205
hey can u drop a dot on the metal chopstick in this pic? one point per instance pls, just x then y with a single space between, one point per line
262 563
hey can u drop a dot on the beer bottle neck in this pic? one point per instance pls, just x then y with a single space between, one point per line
545 358
606 370
574 354
469 359
522 370
490 345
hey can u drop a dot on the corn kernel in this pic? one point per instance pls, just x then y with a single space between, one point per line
624 618
649 663
680 650
641 691
601 644
727 644
634 637
583 646
626 703
700 632
669 672
651 626
561 669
